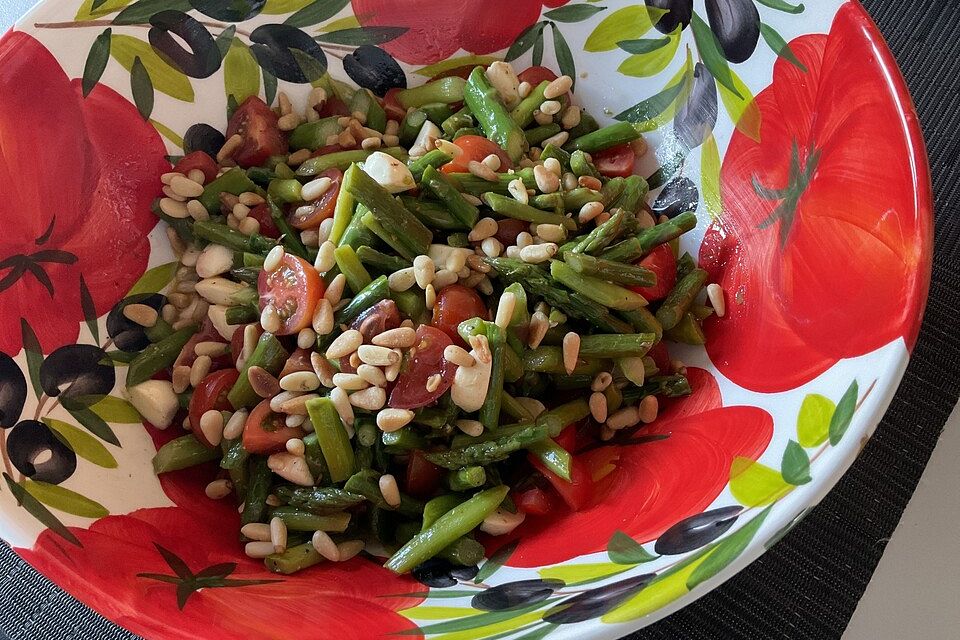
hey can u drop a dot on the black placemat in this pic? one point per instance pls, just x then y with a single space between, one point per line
808 585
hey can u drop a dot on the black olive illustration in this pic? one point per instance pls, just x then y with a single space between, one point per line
39 454
128 335
435 573
77 374
679 195
596 602
464 573
373 68
203 137
696 531
697 116
680 13
229 10
13 391
203 58
288 53
736 23
515 594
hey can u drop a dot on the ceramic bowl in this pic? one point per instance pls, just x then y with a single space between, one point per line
788 128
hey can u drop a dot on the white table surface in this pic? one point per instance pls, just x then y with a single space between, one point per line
914 592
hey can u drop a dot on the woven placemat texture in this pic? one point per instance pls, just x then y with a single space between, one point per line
807 586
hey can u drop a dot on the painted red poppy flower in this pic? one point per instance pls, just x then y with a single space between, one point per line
823 245
655 484
437 29
77 176
180 572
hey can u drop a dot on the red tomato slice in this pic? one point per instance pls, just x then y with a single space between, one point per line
207 333
211 393
392 106
294 289
536 75
257 124
663 263
568 438
508 229
299 360
475 148
261 213
455 304
198 160
577 493
423 477
534 501
410 390
334 106
321 209
236 342
266 432
661 357
616 161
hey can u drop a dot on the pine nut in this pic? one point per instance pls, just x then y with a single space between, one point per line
315 188
283 100
553 165
476 263
392 371
393 419
251 199
539 324
377 356
185 187
349 549
143 315
649 407
626 417
258 549
502 522
234 427
322 321
199 370
371 398
278 534
173 208
373 375
589 211
485 228
389 490
391 140
459 356
645 220
270 319
250 338
541 118
571 117
345 344
325 258
323 369
518 190
263 383
294 446
300 381
571 351
547 181
482 171
291 467
603 217
197 211
423 270
470 427
444 278
306 338
211 426
402 280
430 296
550 107
231 146
508 303
297 405
598 407
341 402
551 232
401 337
606 433
492 161
288 122
349 381
600 382
448 148
256 531
524 89
557 140
325 546
491 247
485 286
715 294
298 157
293 421
180 378
558 87
219 489
272 262
569 181
535 254
334 291
589 182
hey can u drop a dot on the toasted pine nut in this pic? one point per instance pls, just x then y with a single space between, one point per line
211 426
142 314
550 107
491 247
325 258
648 409
601 381
373 375
300 381
535 254
423 270
458 355
518 190
558 87
345 344
377 356
349 381
571 117
470 427
393 419
234 427
263 383
325 546
508 302
571 351
272 262
539 324
173 208
402 280
292 468
551 232
270 319
200 369
323 369
341 402
349 549
389 490
492 161
315 188
482 171
547 181
258 549
715 294
626 417
598 407
589 211
589 182
322 321
485 228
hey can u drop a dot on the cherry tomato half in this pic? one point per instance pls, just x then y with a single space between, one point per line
536 75
261 213
663 263
423 477
211 393
577 493
535 501
508 229
299 360
333 106
198 160
266 432
257 125
455 304
616 161
294 289
661 357
392 106
475 148
310 215
410 390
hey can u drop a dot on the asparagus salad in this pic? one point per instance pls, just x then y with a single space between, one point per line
400 322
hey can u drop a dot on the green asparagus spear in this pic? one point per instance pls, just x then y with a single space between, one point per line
493 117
290 237
313 135
464 551
411 126
466 478
381 261
234 181
366 484
402 441
687 331
434 158
561 156
604 138
297 520
538 134
231 238
602 235
618 272
343 159
356 234
370 295
158 356
511 208
181 453
483 453
643 321
553 457
432 214
459 120
285 191
352 268
547 359
333 438
342 216
610 295
581 166
685 264
616 346
319 500
448 528
574 199
438 506
294 559
522 114
557 419
270 355
258 487
446 90
442 187
588 124
678 301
